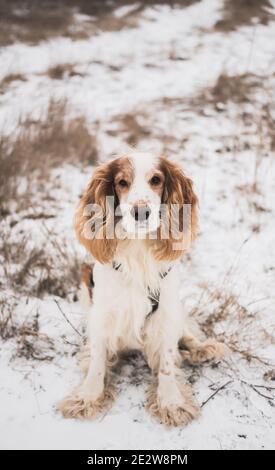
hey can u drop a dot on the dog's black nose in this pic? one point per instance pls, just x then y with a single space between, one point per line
140 213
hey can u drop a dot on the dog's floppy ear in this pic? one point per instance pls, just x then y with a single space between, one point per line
94 220
181 208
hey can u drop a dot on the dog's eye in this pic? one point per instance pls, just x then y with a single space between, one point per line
123 183
155 180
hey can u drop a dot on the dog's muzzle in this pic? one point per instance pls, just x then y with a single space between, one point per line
140 213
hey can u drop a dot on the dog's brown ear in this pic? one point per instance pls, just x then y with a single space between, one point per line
181 207
94 220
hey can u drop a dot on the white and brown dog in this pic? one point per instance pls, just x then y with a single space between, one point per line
137 218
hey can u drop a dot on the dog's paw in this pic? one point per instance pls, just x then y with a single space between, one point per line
80 407
206 351
170 414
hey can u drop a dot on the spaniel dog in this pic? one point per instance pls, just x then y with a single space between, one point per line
137 218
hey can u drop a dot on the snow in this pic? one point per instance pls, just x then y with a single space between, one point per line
173 53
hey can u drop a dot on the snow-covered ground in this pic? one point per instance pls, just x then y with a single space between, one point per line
164 72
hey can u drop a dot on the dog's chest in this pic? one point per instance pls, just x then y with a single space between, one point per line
128 315
128 289
134 292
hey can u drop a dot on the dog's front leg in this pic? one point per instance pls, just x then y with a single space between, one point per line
170 399
93 395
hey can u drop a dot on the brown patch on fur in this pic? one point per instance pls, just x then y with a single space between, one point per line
178 190
159 187
75 406
124 172
165 372
95 230
173 415
87 277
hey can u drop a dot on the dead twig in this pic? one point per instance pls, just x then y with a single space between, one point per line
222 387
265 387
261 394
249 356
255 388
67 319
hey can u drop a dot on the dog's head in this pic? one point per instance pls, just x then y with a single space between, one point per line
138 196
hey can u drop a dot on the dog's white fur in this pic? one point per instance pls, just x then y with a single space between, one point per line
118 317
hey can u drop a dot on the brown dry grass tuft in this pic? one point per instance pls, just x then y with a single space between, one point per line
32 21
238 13
60 71
50 268
40 146
241 90
30 343
9 79
221 314
7 328
237 88
246 92
131 127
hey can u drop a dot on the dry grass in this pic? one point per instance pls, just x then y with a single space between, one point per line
238 13
38 147
9 79
103 11
221 314
130 126
237 89
269 122
50 268
29 342
60 71
242 91
32 21
7 327
138 128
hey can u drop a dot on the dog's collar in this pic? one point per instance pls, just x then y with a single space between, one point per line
154 298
